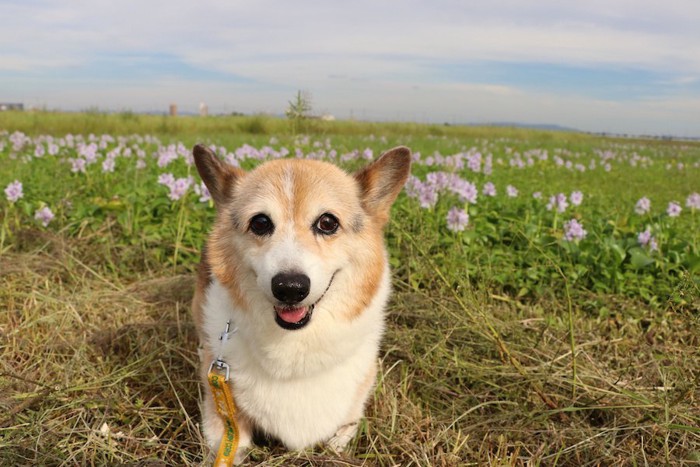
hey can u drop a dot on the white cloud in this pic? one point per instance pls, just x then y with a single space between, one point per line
640 33
19 63
380 58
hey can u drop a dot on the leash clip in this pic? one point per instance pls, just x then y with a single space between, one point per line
218 364
224 336
221 367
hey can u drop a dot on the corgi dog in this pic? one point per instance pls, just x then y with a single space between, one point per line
296 262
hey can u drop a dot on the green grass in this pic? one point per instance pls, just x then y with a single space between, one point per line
230 130
98 350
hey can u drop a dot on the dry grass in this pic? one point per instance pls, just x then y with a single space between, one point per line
98 367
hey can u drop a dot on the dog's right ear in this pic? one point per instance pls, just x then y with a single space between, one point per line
382 181
218 176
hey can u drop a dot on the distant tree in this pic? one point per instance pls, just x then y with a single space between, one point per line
299 110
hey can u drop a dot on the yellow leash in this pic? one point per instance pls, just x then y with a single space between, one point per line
218 377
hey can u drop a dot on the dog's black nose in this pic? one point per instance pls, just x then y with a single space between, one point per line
290 287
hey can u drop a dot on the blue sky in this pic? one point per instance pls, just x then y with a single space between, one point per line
628 66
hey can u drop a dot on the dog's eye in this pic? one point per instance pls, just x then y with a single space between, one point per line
260 224
327 224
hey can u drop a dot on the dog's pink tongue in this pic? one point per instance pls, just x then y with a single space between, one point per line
292 314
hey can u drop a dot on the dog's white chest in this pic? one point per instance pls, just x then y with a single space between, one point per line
300 411
298 390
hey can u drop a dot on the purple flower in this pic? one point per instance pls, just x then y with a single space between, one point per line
166 155
511 191
693 201
488 165
646 239
108 165
412 186
537 195
643 206
574 231
18 140
166 179
179 188
44 215
439 180
673 209
88 153
576 198
559 201
562 204
230 159
457 219
489 189
474 162
653 246
427 196
77 165
466 191
13 192
203 192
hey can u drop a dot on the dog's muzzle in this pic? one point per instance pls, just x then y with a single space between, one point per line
291 288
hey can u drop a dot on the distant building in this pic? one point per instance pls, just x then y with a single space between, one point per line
4 106
324 117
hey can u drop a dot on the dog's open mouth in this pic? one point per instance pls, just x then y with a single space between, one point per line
297 316
293 317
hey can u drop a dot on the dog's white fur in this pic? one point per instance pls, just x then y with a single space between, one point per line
307 385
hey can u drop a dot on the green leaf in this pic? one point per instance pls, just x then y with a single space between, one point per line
619 252
639 258
692 262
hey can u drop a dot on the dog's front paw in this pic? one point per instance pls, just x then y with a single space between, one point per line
238 459
240 455
343 436
213 430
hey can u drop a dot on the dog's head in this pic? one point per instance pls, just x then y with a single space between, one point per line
291 232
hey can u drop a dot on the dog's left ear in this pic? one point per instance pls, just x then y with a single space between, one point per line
382 181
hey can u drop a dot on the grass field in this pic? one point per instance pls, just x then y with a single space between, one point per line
543 312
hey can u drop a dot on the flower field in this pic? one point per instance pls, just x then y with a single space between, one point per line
546 286
518 217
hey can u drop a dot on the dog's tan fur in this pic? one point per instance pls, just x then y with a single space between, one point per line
338 347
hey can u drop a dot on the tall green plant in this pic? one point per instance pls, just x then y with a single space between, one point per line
299 110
